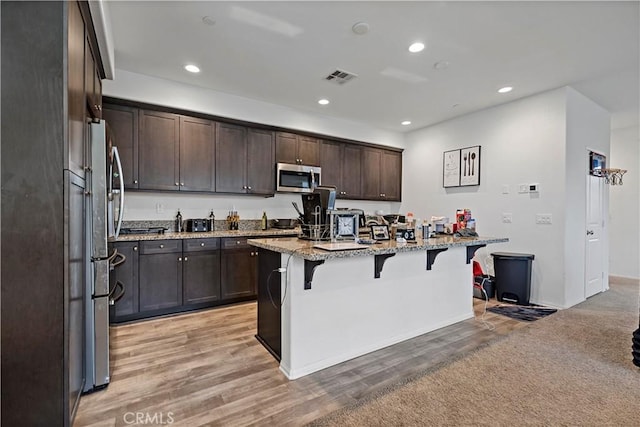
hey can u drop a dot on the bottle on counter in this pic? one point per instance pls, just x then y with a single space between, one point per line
179 222
263 222
212 221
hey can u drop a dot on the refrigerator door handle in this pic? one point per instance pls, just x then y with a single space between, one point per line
116 259
116 157
112 298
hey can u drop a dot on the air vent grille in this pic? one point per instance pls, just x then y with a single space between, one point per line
340 77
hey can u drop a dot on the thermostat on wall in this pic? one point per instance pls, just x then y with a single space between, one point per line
533 188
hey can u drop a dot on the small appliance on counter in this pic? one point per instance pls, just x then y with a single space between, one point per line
316 207
197 225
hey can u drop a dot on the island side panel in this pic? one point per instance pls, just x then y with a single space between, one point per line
348 313
269 298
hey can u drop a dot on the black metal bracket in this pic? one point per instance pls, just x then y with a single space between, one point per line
471 251
309 268
379 263
431 256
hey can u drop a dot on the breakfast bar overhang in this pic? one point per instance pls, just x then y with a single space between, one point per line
318 308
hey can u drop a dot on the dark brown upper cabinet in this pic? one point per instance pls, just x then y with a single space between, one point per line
75 69
382 174
123 124
244 160
297 149
341 167
197 154
159 151
93 84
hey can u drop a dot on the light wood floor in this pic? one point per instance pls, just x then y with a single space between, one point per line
207 368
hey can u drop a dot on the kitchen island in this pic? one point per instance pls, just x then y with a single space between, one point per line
318 308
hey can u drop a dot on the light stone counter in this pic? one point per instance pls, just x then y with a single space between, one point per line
208 234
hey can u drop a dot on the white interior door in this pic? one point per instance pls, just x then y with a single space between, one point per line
594 269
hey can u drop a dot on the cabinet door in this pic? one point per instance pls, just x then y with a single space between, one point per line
231 159
309 151
201 277
127 274
75 150
160 281
261 165
371 174
331 162
197 154
93 85
391 175
239 273
286 148
351 172
123 122
158 161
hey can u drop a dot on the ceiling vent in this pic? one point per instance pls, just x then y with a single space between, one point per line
340 77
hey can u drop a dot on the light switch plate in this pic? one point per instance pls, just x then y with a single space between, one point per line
544 219
159 208
505 188
507 217
523 188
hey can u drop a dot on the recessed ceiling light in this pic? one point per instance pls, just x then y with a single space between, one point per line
505 89
323 101
207 20
406 123
192 68
441 65
416 47
360 28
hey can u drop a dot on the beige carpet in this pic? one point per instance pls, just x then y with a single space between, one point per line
571 368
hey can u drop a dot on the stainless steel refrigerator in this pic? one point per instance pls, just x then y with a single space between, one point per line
105 211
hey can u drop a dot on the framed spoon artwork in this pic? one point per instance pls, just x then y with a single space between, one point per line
471 170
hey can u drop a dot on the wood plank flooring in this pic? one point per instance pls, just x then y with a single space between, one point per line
207 368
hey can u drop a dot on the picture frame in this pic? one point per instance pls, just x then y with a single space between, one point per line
380 232
597 162
470 166
451 168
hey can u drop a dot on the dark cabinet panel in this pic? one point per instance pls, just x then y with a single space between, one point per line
92 83
331 161
286 148
76 65
238 269
231 159
197 154
309 150
391 175
351 173
261 165
201 277
269 297
158 162
127 274
371 174
160 274
123 123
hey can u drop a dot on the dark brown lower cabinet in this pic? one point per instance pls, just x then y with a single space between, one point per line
127 274
160 274
201 271
239 268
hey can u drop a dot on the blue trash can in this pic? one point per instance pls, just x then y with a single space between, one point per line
512 276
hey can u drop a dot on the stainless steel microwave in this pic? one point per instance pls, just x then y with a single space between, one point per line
297 178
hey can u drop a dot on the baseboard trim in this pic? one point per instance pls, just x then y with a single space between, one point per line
622 280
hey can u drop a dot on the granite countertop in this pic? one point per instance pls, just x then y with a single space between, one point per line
208 234
305 250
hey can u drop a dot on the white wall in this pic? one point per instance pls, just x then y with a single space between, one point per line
522 142
624 205
141 206
588 128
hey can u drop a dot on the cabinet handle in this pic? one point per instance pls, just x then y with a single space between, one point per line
177 184
180 259
99 107
237 242
182 183
249 188
135 248
244 187
186 259
161 246
202 244
135 181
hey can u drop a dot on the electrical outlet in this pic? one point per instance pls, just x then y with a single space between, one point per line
544 219
159 208
507 217
505 188
534 188
523 188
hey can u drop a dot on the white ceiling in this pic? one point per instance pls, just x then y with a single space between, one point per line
280 52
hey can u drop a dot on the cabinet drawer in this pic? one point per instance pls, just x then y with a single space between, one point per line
160 246
199 245
235 242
